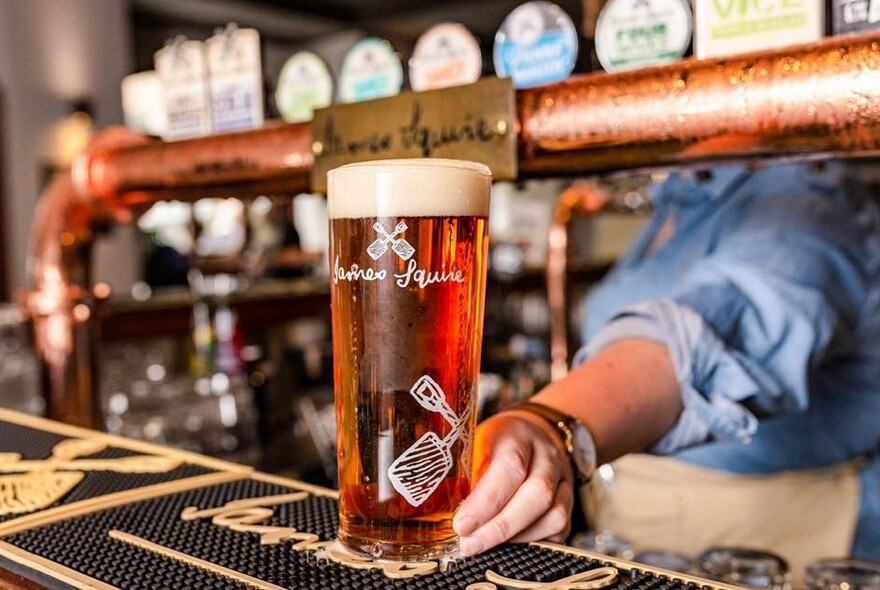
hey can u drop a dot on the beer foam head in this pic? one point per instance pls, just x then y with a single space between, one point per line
418 188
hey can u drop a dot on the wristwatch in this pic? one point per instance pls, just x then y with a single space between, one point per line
576 439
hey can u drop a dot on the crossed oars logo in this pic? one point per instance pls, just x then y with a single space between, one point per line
420 469
28 485
399 246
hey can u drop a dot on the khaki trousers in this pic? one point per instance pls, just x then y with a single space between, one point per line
659 502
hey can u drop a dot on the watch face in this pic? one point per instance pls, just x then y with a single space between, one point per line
584 454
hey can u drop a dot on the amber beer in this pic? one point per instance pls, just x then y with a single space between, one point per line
408 252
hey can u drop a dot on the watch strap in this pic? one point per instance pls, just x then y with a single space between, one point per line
557 419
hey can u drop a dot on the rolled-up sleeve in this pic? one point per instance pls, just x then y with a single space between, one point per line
748 324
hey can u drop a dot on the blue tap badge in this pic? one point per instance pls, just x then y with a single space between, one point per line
371 69
537 44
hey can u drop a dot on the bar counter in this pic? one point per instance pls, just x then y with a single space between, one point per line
82 509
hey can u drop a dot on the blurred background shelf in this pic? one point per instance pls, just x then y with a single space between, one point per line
169 312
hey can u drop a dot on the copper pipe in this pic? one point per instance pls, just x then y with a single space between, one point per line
581 199
59 302
814 100
118 175
276 159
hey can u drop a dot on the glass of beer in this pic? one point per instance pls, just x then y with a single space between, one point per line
408 255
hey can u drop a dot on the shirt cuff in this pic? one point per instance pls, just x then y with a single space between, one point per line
713 380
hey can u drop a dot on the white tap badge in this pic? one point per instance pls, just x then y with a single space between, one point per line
305 84
143 103
235 79
445 55
639 33
537 44
371 69
729 27
182 70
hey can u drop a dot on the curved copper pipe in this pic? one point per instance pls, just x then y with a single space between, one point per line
581 199
100 189
59 304
275 159
812 100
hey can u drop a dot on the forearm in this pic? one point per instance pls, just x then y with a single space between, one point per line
627 396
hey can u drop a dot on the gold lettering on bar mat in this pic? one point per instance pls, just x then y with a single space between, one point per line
247 516
27 485
590 580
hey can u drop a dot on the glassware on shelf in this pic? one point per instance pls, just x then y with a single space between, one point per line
20 387
604 543
665 559
319 422
842 574
150 392
600 539
743 566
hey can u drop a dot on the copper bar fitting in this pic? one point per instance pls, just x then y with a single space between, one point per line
582 199
815 100
276 159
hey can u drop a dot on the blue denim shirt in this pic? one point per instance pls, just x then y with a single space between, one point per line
767 296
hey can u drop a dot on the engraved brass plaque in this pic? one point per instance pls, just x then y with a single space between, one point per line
474 122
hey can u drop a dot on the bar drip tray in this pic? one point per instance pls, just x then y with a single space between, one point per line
80 509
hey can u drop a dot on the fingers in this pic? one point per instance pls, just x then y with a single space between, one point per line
555 524
506 471
541 505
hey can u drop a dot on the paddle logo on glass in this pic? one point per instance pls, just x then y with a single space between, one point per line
399 246
417 472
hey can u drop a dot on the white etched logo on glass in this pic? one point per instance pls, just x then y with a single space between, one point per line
399 246
420 469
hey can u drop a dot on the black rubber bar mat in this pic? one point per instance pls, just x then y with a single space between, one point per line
80 509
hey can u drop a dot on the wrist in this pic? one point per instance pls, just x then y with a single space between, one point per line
576 441
548 429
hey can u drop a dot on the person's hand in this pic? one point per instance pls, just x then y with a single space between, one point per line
525 489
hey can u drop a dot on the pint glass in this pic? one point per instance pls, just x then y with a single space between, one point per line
408 254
